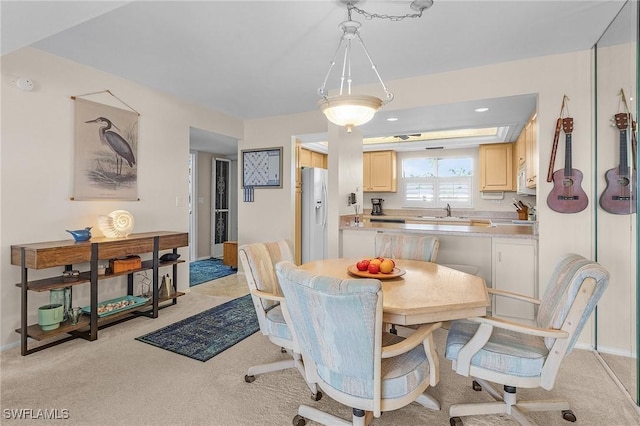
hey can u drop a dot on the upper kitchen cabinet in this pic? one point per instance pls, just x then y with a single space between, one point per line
380 171
308 158
496 167
531 151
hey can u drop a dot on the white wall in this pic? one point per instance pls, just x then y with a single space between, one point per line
37 165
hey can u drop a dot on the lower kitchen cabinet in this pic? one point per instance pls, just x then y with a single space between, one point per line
358 243
514 269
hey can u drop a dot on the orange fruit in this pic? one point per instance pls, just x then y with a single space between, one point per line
386 266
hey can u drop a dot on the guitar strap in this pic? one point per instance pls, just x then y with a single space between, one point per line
556 136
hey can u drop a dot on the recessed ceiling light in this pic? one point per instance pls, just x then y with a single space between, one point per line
483 109
392 119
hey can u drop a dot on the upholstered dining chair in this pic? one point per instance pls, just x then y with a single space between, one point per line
258 262
517 355
413 247
338 324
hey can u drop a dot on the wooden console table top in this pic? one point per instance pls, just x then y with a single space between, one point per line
65 252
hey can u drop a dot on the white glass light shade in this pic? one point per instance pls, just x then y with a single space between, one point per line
350 110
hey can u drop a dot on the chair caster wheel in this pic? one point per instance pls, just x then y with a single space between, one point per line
298 420
249 379
476 386
455 421
569 416
316 396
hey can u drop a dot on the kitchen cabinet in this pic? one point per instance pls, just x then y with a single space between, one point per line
520 150
308 158
496 167
531 144
380 171
514 269
66 253
357 243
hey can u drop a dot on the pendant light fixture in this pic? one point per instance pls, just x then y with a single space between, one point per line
347 109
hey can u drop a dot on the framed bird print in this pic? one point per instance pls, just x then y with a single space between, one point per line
105 152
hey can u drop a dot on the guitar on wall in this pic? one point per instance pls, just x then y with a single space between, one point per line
567 195
619 195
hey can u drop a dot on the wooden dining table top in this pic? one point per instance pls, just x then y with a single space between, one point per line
425 293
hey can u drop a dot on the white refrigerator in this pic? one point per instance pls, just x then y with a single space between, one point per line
314 214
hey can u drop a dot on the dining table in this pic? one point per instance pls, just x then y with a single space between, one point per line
416 292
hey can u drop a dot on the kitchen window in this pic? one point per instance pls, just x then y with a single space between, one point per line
430 182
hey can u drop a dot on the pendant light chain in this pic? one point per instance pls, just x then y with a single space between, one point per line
370 16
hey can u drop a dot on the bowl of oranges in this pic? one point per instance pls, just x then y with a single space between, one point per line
376 267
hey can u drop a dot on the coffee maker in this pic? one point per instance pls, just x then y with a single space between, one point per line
376 204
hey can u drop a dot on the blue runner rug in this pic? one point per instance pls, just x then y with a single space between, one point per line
205 270
208 333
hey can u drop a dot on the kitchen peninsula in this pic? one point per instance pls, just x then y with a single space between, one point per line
505 253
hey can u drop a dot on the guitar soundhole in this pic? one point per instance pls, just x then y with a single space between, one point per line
623 181
566 182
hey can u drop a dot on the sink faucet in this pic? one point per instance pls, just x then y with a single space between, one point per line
448 209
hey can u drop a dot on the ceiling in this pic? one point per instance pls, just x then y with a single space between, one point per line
252 59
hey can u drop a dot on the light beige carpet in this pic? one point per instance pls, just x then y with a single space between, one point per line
117 380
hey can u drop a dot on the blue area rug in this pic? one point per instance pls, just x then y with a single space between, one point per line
205 270
208 333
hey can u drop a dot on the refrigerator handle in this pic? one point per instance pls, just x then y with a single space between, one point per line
324 204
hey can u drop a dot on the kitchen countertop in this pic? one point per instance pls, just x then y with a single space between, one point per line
504 230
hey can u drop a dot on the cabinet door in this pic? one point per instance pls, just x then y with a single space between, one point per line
305 158
531 141
366 172
514 269
496 167
357 243
382 171
318 160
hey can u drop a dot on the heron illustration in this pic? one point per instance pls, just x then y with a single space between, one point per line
116 143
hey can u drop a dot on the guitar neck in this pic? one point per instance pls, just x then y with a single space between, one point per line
567 155
624 165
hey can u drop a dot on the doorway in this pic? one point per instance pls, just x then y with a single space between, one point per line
205 148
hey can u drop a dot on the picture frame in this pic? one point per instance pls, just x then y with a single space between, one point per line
262 168
105 152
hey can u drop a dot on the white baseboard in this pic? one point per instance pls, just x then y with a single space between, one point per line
616 351
9 346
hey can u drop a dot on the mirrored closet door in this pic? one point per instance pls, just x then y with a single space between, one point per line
616 220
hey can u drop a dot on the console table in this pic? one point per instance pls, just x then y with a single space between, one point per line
68 252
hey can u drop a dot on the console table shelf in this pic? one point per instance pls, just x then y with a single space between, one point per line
66 253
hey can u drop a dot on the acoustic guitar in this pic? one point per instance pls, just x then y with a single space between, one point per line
567 195
619 195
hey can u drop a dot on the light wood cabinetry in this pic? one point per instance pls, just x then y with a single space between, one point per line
66 253
496 167
380 171
520 151
514 269
531 149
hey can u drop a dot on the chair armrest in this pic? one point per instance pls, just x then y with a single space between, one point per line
521 328
512 295
477 342
267 296
415 339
